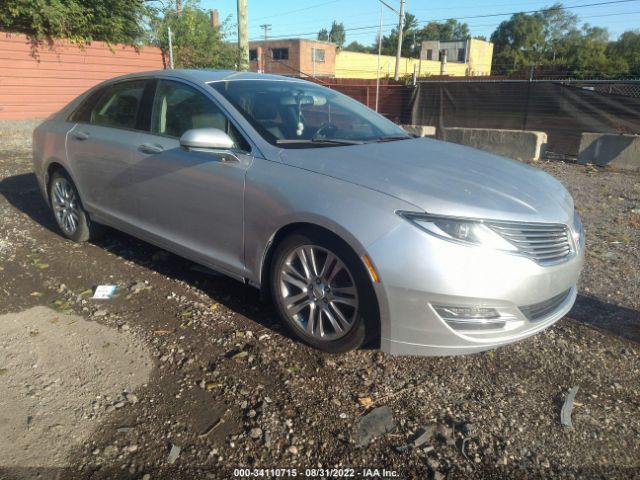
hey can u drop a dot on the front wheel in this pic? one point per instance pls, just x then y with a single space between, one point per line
68 210
322 291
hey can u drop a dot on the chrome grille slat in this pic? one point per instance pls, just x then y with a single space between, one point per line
543 243
534 235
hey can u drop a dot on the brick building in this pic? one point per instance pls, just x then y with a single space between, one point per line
293 57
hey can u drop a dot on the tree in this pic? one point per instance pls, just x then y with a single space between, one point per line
585 52
627 47
445 31
114 21
323 35
196 43
518 41
409 29
337 34
558 22
356 46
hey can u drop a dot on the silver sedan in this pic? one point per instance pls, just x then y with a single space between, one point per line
359 232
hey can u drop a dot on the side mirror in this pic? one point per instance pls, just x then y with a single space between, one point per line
206 139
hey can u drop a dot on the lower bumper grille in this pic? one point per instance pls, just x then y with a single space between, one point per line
540 310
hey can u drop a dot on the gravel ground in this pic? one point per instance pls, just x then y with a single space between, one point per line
230 389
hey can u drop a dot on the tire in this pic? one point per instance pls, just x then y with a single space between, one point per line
323 292
70 215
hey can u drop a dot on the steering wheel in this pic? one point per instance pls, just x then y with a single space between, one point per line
323 130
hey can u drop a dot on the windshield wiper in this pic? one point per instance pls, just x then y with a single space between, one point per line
392 138
321 141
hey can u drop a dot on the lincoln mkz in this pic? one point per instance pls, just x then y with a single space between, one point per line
360 233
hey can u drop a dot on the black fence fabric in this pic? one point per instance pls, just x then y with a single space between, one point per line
563 111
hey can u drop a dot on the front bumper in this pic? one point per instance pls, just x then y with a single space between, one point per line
419 271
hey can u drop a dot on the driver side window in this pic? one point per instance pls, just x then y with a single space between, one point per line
178 108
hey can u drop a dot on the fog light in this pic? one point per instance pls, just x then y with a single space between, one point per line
470 318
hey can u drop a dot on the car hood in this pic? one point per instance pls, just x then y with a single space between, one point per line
443 178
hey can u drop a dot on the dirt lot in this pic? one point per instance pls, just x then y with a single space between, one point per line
229 388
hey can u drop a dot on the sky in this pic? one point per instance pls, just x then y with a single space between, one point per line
304 18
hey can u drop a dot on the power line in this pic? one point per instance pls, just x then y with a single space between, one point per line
371 27
281 14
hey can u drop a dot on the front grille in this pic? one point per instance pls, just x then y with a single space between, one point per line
540 310
544 243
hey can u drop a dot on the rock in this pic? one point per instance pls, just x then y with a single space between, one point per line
567 408
438 476
100 313
136 287
131 398
110 451
255 433
119 404
96 451
132 448
293 450
146 476
423 435
174 453
378 422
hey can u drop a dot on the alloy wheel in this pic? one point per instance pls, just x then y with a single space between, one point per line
64 201
318 292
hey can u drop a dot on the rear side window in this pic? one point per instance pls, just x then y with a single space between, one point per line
178 107
118 106
82 113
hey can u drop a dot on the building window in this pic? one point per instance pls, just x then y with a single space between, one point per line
280 53
317 55
429 54
253 54
462 53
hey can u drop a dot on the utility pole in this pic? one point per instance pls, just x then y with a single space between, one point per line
243 36
399 51
170 48
266 27
379 53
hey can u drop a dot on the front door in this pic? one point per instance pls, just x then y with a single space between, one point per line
192 202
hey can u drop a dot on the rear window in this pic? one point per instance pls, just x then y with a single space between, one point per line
118 106
82 113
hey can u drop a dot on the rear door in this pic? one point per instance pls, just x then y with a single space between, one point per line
100 150
192 202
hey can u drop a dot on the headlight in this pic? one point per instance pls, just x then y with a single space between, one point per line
464 231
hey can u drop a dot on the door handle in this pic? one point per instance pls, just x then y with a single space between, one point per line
79 135
150 148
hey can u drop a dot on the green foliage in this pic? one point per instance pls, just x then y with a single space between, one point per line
196 43
356 46
627 48
412 36
444 31
409 30
323 35
114 21
336 35
552 37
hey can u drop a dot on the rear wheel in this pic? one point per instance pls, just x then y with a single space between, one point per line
322 292
68 210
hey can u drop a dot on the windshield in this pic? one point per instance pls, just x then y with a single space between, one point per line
293 114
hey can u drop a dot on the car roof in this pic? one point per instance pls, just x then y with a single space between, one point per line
207 76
